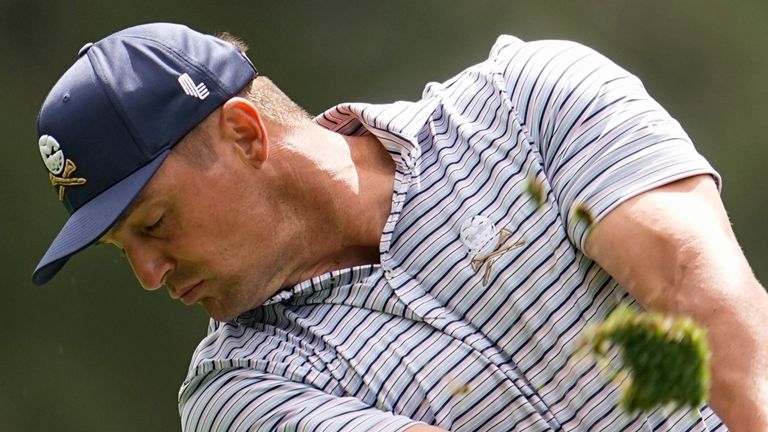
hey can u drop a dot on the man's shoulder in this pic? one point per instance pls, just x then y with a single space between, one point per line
507 47
505 43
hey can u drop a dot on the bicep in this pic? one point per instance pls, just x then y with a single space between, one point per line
672 247
248 400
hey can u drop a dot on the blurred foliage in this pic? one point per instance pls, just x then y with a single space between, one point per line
664 359
91 351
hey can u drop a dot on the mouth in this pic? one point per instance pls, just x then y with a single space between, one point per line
188 294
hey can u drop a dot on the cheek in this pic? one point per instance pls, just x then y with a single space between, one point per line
223 227
221 241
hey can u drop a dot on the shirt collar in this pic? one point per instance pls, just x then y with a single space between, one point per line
396 125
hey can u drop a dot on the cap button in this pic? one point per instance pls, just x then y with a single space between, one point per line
84 49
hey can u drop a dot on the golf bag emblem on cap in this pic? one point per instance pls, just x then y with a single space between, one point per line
60 168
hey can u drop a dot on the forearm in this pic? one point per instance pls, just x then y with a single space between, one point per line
734 316
739 392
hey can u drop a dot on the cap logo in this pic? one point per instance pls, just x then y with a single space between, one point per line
199 91
52 155
60 168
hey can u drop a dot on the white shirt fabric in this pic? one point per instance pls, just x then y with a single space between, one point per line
472 320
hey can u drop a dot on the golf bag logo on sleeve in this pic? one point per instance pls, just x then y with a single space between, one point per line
60 168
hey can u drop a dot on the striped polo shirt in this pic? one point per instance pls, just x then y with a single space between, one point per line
472 319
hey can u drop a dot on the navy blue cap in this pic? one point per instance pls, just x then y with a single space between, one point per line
112 118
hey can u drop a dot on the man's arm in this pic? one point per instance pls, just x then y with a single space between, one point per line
674 250
243 399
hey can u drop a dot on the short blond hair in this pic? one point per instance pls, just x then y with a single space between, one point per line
268 99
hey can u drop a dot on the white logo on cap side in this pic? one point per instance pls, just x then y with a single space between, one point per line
199 91
53 156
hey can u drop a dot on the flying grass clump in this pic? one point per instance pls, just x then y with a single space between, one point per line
534 188
665 360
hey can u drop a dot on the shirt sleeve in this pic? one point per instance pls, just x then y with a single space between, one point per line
601 138
240 399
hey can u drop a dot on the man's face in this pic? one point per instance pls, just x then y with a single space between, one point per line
210 236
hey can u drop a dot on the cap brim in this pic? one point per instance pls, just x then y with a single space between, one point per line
93 219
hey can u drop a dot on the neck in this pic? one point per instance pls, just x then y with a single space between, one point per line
344 199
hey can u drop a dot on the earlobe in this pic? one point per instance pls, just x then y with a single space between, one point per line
242 126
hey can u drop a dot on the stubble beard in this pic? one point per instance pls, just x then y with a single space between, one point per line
232 299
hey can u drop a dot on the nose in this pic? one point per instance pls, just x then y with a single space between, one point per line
150 265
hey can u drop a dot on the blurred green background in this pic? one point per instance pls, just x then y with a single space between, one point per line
91 351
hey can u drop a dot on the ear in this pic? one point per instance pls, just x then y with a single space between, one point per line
242 125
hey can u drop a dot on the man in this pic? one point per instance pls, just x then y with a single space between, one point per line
414 266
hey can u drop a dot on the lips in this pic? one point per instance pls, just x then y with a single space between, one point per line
187 294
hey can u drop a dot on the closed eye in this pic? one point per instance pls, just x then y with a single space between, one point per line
155 225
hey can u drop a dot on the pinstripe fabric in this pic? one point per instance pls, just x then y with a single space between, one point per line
421 336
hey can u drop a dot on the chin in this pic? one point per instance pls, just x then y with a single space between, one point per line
219 312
